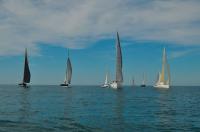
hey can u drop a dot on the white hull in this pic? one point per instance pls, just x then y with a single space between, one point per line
161 86
115 85
105 86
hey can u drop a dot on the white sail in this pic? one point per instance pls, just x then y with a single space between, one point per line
162 82
68 75
106 80
106 83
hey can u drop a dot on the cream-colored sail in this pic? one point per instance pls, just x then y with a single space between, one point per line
168 69
162 77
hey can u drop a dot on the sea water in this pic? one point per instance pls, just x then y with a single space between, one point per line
96 109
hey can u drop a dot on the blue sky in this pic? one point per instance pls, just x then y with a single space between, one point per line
88 28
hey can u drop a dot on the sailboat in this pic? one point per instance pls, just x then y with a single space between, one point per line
68 75
161 81
106 84
27 74
143 81
119 76
133 82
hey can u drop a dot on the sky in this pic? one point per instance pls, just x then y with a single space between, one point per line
47 28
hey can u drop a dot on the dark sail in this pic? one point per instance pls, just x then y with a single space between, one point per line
119 76
27 74
69 71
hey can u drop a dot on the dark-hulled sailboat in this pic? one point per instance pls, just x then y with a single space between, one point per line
27 74
68 75
143 81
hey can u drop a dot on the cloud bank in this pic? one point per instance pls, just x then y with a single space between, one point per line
80 23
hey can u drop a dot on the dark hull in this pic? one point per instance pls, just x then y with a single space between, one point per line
142 85
23 85
64 85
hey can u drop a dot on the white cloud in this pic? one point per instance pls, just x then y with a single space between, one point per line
79 23
180 53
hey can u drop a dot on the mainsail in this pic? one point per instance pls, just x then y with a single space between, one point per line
69 71
119 76
164 64
27 74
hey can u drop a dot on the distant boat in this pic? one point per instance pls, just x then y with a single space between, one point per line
143 81
68 75
119 77
132 82
106 84
161 82
27 74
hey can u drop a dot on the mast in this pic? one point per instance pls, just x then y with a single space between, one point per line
27 74
119 76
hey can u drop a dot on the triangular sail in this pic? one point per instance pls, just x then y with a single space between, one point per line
69 71
165 66
162 78
106 80
119 76
27 74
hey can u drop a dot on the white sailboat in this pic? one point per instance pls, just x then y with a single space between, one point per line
161 81
68 75
133 82
119 76
106 84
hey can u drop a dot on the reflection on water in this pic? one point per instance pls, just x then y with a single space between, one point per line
119 110
95 109
25 106
165 112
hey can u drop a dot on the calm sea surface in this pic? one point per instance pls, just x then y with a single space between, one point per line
95 109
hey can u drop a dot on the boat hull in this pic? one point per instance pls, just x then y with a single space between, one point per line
105 86
142 85
24 85
162 86
115 85
65 85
